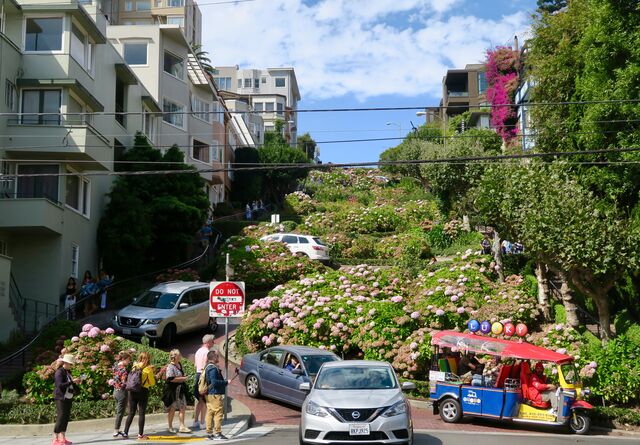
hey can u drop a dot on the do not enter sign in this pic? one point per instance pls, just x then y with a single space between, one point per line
226 298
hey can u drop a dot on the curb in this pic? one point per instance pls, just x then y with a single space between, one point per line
240 418
420 404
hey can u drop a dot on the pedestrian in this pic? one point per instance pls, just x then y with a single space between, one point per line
139 380
216 385
176 381
200 362
103 283
87 292
486 245
65 388
205 236
119 376
70 298
247 213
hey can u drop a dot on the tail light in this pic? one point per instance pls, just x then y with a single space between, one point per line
317 248
241 363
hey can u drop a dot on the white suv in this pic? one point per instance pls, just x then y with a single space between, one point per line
308 245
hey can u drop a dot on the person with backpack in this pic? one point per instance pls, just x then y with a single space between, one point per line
139 380
213 384
176 382
200 361
119 377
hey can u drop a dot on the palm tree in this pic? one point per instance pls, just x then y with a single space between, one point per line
203 58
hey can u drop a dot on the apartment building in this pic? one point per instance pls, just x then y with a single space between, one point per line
58 69
465 90
273 93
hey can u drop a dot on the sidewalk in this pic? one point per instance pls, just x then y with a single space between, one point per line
99 431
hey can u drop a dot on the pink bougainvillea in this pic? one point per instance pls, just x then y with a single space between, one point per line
502 79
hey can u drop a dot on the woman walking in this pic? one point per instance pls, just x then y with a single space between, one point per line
65 388
139 397
120 372
176 383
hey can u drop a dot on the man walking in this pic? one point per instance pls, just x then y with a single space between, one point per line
215 397
200 362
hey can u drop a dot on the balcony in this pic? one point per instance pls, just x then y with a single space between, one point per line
72 138
31 214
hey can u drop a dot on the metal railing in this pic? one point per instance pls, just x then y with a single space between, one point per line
583 315
16 302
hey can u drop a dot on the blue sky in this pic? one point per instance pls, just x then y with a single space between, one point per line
361 54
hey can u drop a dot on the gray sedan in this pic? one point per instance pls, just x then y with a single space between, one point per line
277 372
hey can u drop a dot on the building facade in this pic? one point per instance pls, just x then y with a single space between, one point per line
466 90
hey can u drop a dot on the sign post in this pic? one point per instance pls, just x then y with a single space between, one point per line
226 300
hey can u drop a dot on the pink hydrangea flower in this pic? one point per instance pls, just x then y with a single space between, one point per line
94 367
105 348
94 332
461 310
396 299
109 331
415 314
87 327
75 339
111 382
439 312
83 334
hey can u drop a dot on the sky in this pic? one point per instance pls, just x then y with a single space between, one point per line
361 54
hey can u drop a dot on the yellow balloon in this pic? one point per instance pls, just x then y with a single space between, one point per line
496 328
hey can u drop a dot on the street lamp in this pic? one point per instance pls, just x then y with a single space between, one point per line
399 127
421 113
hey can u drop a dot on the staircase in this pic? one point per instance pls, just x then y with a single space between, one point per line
590 322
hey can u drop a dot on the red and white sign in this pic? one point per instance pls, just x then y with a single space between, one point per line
226 298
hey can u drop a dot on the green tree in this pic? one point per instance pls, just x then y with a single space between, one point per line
247 184
308 145
551 5
151 220
277 182
203 58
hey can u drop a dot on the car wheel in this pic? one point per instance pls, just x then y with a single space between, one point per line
213 325
450 410
301 254
580 423
252 385
169 334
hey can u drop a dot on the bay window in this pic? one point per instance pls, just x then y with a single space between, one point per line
43 34
37 102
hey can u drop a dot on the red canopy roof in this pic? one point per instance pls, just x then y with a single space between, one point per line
496 346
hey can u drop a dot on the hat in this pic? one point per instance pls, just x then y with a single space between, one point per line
69 358
539 367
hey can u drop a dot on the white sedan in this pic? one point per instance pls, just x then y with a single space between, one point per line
301 245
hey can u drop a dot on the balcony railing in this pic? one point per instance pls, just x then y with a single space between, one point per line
457 93
6 194
55 120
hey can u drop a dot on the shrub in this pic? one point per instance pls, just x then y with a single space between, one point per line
299 203
613 416
178 275
559 313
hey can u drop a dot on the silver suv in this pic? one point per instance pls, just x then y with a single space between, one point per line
165 310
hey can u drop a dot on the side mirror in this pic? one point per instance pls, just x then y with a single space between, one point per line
408 386
305 386
297 371
183 306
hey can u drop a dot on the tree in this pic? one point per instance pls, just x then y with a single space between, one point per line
203 58
247 184
551 6
151 220
277 182
307 145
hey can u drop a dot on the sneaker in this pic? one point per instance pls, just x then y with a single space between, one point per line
219 436
116 434
124 435
209 436
184 429
143 437
195 426
172 430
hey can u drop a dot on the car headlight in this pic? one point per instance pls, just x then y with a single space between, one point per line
316 410
115 318
152 321
396 409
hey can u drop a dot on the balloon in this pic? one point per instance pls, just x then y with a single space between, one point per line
521 329
485 327
509 329
473 325
496 328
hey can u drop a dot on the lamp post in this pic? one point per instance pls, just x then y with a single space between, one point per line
399 127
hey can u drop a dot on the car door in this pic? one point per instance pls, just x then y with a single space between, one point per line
186 316
289 383
291 242
304 246
268 367
200 303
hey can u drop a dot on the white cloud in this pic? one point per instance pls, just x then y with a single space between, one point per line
362 47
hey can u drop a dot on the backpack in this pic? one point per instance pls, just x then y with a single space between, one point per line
134 380
203 386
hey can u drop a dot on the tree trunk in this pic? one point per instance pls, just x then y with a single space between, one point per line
497 255
604 316
597 290
543 290
567 300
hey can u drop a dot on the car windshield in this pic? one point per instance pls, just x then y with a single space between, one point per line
313 362
356 377
155 299
319 242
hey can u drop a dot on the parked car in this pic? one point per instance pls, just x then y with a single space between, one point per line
356 401
308 245
264 373
165 310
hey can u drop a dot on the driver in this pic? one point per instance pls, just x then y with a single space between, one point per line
292 364
541 391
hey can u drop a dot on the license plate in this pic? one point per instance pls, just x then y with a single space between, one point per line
359 429
126 331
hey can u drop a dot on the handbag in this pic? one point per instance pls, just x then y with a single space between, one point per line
168 396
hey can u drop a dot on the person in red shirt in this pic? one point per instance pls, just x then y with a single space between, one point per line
541 391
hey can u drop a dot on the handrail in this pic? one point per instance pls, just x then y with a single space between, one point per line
579 309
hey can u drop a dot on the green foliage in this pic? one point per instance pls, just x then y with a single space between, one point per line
247 184
551 5
299 203
306 143
150 220
615 416
559 313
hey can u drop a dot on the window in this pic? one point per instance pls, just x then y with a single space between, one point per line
268 106
143 5
81 48
199 296
482 82
128 5
303 240
121 105
224 83
175 3
75 260
280 82
239 83
173 65
200 109
148 124
218 113
256 83
173 113
264 80
38 186
43 34
74 112
10 96
135 53
257 106
247 83
290 239
175 20
201 151
280 109
77 193
35 102
272 357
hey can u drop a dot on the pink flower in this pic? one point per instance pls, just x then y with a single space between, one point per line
111 382
593 365
415 314
396 299
94 332
105 396
75 339
94 367
105 348
460 310
87 327
439 312
109 331
83 334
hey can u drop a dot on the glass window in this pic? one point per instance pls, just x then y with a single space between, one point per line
303 240
155 299
75 260
264 80
201 109
280 108
74 111
201 151
43 34
172 113
257 106
313 362
280 82
290 239
143 5
239 83
200 296
35 102
256 83
135 53
272 357
38 186
73 192
121 105
78 41
175 3
148 124
268 106
482 82
215 156
128 5
247 83
175 20
173 65
10 95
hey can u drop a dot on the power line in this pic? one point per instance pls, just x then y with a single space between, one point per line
276 166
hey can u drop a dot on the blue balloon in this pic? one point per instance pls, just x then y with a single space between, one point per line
473 325
485 327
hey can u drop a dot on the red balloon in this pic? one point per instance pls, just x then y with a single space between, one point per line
509 329
521 329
